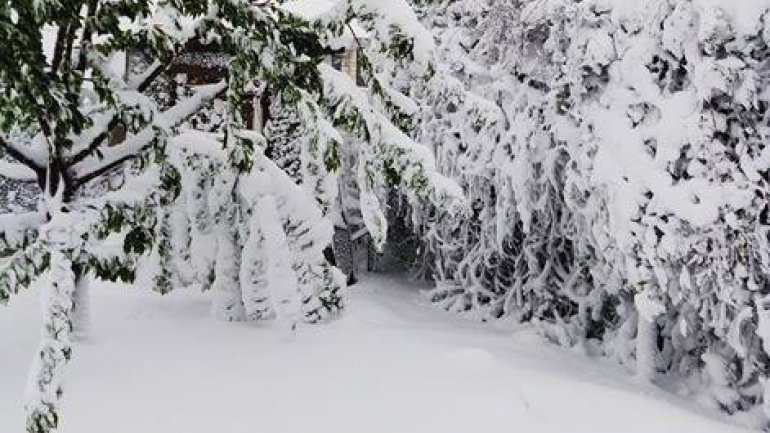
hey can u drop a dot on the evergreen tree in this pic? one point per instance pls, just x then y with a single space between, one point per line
623 207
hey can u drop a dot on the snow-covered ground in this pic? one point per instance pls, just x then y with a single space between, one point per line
391 364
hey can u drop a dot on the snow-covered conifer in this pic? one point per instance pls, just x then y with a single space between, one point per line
623 206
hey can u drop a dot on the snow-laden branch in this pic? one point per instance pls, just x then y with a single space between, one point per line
142 81
93 137
17 171
265 178
134 191
18 230
414 162
288 269
93 166
33 161
389 23
18 270
268 179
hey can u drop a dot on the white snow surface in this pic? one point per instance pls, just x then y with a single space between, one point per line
309 9
391 364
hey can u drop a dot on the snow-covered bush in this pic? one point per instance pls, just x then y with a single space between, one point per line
267 232
624 205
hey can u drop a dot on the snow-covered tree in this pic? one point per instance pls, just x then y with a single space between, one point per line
64 95
623 207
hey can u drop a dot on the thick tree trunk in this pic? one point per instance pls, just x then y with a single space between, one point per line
44 386
57 301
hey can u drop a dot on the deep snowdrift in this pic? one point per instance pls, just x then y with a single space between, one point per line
391 364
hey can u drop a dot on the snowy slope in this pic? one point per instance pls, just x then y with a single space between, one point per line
390 365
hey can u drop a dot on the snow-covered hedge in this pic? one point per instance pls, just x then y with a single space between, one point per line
615 153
